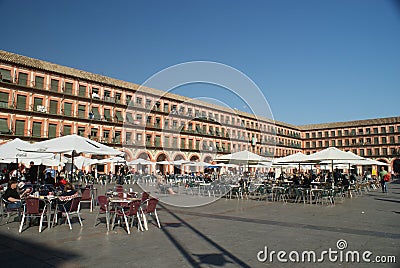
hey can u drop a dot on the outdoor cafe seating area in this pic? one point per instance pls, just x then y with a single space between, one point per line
117 206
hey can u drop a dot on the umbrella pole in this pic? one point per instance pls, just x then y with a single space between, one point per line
72 167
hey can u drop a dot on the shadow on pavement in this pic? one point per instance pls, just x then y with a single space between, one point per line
16 252
217 259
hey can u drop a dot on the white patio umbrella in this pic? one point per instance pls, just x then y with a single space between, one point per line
140 161
165 162
114 160
242 157
331 154
81 161
180 162
71 144
9 152
293 158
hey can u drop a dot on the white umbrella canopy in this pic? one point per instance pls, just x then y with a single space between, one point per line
140 161
242 157
197 164
165 162
180 162
331 154
114 160
69 144
293 158
9 152
81 161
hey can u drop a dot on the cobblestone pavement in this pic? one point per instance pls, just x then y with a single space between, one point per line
226 233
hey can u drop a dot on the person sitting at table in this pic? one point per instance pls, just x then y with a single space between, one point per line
12 195
67 194
161 183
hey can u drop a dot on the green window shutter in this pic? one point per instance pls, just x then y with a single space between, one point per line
4 126
5 75
129 117
197 145
36 129
21 102
39 82
96 114
119 117
37 102
22 79
20 128
67 109
68 88
82 91
3 99
81 111
107 114
54 85
66 130
52 130
158 141
54 107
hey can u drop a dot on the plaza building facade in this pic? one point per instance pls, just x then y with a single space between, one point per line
41 100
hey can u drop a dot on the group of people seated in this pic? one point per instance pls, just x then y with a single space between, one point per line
17 192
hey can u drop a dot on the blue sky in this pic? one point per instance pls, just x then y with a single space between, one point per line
315 61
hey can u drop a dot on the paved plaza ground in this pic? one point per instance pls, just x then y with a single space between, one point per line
226 233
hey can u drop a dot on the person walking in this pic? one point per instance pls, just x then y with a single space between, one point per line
383 177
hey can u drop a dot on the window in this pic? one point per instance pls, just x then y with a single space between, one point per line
68 88
4 126
117 137
93 133
377 152
5 75
361 152
346 132
117 97
391 129
66 130
21 102
106 135
148 120
81 131
39 82
148 104
376 140
95 113
326 133
375 130
158 141
148 140
118 116
54 85
332 133
38 105
36 129
384 151
107 115
307 144
384 141
319 143
339 142
52 130
23 79
20 127
307 135
128 137
82 91
369 152
67 109
4 99
183 143
128 99
166 108
139 101
319 134
339 133
81 111
139 137
333 143
175 142
166 141
383 129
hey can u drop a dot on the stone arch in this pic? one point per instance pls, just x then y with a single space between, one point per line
144 155
208 159
178 169
161 167
194 157
396 165
128 154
